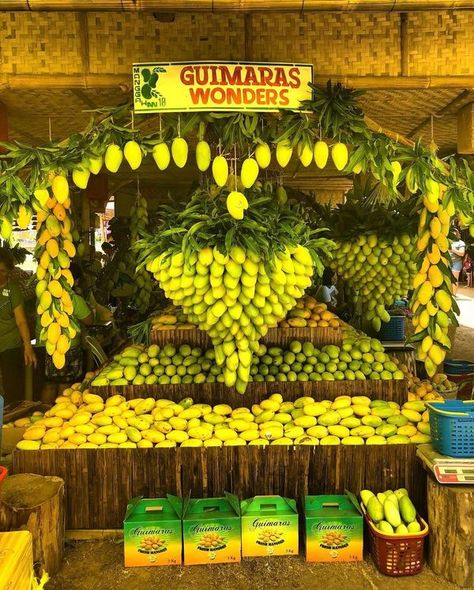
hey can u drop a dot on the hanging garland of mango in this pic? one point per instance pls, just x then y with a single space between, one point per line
331 124
138 226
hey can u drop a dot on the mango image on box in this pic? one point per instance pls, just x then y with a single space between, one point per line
152 532
211 530
269 526
334 529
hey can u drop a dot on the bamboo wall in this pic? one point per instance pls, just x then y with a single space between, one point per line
362 44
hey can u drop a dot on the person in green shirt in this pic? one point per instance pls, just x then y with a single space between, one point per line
16 350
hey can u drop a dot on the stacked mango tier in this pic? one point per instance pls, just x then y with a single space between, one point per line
86 421
356 359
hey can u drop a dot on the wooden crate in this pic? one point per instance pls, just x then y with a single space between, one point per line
276 336
99 483
217 393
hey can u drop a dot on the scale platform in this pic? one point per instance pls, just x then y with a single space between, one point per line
447 470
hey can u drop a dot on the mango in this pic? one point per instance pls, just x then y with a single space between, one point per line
352 440
339 431
385 527
398 439
28 445
391 513
412 415
330 440
376 440
329 418
374 508
350 422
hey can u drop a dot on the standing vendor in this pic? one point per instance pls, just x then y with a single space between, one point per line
16 350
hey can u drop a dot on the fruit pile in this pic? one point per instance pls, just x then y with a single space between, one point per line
309 313
171 318
425 390
378 271
432 302
54 251
25 422
236 289
392 512
84 420
357 359
143 281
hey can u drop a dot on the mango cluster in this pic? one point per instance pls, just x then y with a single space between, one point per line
432 300
234 297
378 271
54 251
309 313
392 512
143 280
84 420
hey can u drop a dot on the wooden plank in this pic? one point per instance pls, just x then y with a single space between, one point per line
275 336
114 476
216 393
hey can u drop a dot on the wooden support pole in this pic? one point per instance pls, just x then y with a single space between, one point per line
404 43
3 125
451 531
466 129
36 503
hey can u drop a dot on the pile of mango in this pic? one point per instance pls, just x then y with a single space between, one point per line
171 318
309 313
25 422
392 512
85 420
425 389
358 359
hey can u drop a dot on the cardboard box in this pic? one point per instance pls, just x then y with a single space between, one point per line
269 526
152 532
334 529
211 530
16 560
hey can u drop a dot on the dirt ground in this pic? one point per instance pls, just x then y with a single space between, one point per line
98 566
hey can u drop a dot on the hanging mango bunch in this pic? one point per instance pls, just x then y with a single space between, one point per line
143 280
433 305
54 252
234 278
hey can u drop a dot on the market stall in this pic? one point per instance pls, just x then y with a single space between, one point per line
287 408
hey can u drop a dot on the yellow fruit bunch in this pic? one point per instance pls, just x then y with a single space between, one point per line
235 298
85 420
309 313
143 280
378 272
54 251
432 302
171 318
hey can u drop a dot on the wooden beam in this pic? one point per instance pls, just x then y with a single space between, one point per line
123 82
3 123
404 38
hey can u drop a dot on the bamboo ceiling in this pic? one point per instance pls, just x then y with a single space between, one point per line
55 66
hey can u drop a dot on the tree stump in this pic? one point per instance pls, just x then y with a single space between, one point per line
451 518
36 503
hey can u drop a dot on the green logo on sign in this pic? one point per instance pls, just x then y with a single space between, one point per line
150 80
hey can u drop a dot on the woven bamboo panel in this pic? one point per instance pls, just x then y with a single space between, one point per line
140 37
40 43
99 483
441 43
276 336
218 393
336 43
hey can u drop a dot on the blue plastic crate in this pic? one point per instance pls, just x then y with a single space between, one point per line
393 330
452 427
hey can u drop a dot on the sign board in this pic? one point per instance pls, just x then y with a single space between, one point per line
219 86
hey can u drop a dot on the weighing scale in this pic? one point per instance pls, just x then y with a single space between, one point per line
447 470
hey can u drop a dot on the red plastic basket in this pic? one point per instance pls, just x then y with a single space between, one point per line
396 555
3 474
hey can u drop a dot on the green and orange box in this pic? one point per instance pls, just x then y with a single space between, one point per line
269 526
334 529
152 531
211 530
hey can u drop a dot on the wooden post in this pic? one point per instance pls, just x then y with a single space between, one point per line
451 531
36 503
3 125
466 129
